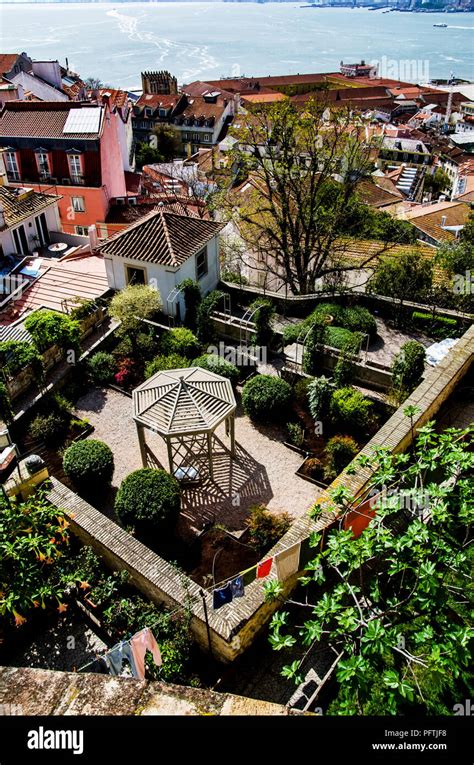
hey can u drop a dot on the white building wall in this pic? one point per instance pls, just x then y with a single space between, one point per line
166 279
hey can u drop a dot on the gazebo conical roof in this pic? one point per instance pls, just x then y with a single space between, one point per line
180 401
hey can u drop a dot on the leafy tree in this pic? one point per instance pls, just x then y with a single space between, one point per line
33 534
408 368
304 168
135 302
168 142
437 182
48 328
457 258
408 277
397 600
145 154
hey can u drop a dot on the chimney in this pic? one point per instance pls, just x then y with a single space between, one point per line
93 238
443 221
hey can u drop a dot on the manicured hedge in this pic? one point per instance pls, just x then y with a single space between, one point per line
161 363
89 463
437 326
266 398
218 365
102 367
148 497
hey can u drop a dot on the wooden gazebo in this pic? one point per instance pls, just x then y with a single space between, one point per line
185 406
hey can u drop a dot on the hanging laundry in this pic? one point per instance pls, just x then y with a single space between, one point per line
115 658
99 665
141 643
237 587
287 562
221 596
264 568
249 576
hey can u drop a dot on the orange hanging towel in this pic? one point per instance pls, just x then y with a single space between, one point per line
141 643
263 569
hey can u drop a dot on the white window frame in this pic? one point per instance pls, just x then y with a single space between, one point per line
78 204
12 166
79 230
75 167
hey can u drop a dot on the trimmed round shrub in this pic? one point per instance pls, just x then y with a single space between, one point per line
218 365
148 497
266 398
50 428
173 361
102 367
89 463
340 451
350 407
359 319
181 341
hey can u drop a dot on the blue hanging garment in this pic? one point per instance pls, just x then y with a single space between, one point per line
221 596
237 587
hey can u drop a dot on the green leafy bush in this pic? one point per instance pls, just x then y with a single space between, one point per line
15 355
408 367
349 407
212 302
301 390
192 299
180 341
338 337
439 327
89 463
218 365
6 412
314 468
266 528
83 309
340 450
148 497
50 428
49 328
102 367
295 434
266 398
263 312
320 391
359 319
161 363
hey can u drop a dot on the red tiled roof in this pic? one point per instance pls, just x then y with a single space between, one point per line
161 237
263 98
7 61
155 100
45 119
117 98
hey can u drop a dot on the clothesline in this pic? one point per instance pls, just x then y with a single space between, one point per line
211 588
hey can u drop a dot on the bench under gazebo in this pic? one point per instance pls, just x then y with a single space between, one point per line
185 407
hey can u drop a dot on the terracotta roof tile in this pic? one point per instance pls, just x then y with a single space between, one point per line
162 237
26 119
7 61
16 210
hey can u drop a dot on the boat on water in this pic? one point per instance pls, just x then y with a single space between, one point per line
442 26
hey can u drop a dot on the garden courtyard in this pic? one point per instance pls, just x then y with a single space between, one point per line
261 473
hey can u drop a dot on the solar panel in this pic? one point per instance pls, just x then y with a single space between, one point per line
86 120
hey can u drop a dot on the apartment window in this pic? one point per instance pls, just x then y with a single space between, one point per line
135 275
81 230
163 112
75 167
207 137
195 136
78 204
201 263
148 112
12 166
42 161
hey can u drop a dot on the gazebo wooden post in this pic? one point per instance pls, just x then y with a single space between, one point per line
170 454
141 442
232 434
209 454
